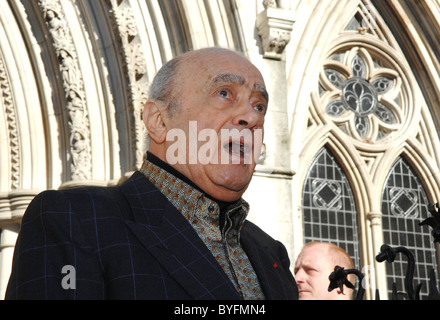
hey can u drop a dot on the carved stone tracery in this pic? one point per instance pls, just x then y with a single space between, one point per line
136 70
13 135
77 115
365 100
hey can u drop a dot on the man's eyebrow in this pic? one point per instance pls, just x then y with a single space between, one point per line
263 91
234 78
228 78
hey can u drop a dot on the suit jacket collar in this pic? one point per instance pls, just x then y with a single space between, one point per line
271 272
167 235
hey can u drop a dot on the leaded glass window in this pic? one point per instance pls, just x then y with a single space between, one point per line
404 205
329 211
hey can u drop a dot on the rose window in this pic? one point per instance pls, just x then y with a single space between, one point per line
363 95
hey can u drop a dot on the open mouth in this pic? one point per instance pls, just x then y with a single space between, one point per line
236 148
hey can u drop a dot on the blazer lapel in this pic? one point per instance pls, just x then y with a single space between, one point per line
274 279
168 236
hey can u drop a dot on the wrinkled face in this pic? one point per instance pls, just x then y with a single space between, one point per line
312 269
222 104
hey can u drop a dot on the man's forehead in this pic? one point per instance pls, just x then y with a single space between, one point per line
313 254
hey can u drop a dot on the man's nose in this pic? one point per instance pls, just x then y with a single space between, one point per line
299 276
248 117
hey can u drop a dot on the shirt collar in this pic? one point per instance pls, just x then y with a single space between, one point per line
224 205
190 200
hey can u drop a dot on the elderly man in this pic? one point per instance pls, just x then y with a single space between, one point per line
315 263
177 228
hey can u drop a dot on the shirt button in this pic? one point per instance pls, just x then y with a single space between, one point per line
211 208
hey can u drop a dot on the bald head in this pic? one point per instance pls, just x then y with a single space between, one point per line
164 81
313 266
166 84
337 255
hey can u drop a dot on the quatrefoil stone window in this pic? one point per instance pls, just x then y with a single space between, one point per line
364 95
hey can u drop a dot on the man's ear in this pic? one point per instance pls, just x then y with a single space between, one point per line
153 120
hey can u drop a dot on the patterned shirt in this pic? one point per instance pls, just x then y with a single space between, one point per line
204 216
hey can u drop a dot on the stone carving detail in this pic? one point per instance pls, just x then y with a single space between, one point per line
365 102
270 4
9 110
274 27
78 121
136 69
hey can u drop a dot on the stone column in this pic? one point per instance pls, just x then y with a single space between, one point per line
7 242
375 219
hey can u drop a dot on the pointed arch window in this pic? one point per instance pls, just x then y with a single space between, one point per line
404 205
329 211
368 100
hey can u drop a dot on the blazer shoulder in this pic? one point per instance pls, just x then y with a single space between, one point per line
83 202
263 239
254 230
88 202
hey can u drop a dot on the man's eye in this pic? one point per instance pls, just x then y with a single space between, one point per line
224 93
260 108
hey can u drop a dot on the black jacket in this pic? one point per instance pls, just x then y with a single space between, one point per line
129 242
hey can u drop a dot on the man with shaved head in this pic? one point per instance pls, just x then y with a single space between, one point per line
177 228
313 266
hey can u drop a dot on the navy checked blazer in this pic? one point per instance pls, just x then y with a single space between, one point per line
130 242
